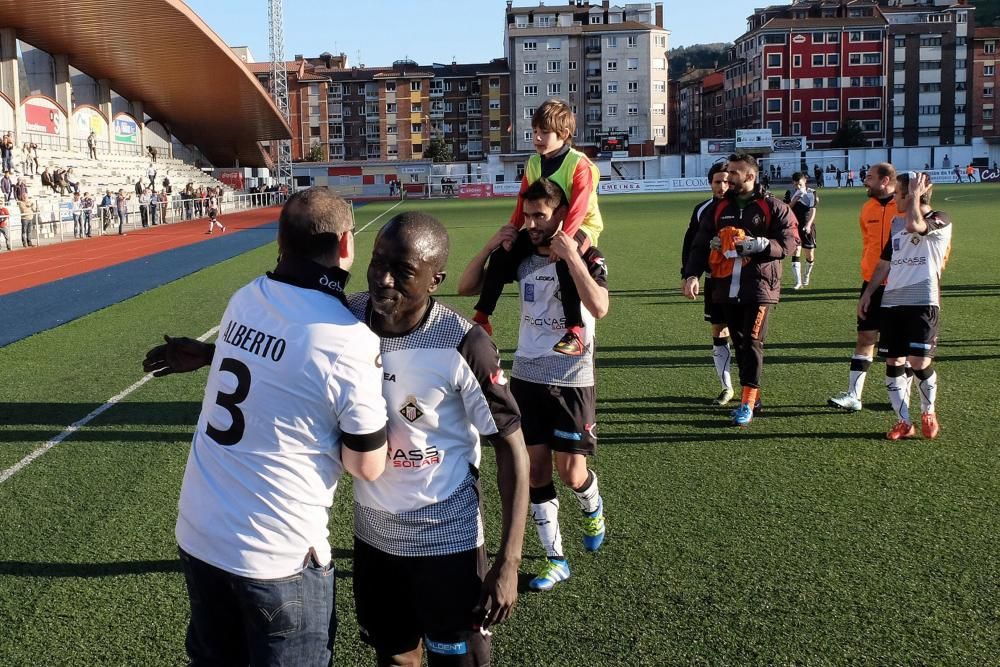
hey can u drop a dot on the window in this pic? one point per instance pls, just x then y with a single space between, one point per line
553 44
816 127
927 40
528 90
595 19
612 66
817 105
659 131
796 129
447 107
818 37
530 68
660 40
416 107
832 59
572 87
554 89
612 109
416 128
529 46
987 114
633 131
612 87
633 86
571 66
494 126
833 38
632 63
390 107
415 85
796 106
774 105
390 129
527 135
930 64
494 82
987 91
871 81
774 83
797 60
818 59
543 21
774 126
613 42
832 126
833 82
463 85
774 60
988 70
900 42
989 47
659 63
631 41
494 104
553 66
659 86
659 109
633 110
521 21
833 105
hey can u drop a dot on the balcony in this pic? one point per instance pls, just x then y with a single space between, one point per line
474 112
593 73
594 95
593 119
592 49
436 92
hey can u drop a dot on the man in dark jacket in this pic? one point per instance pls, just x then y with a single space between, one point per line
742 241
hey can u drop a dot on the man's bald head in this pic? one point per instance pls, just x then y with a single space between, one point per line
312 223
423 233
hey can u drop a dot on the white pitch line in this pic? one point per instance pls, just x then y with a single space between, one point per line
77 425
379 216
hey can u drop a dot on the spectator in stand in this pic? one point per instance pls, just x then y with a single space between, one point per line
164 199
73 181
138 186
187 197
29 214
152 153
7 152
199 202
4 224
166 186
33 149
76 208
107 205
88 212
47 180
144 207
151 175
26 162
92 144
121 208
21 190
154 206
7 187
59 179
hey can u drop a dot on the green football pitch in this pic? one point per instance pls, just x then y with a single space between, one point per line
804 539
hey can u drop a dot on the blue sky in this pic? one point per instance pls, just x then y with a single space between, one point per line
429 30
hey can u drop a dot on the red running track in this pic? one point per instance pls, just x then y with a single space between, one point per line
36 266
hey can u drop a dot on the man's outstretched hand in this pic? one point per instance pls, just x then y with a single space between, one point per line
177 355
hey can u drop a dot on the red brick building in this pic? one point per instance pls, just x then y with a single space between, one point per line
984 84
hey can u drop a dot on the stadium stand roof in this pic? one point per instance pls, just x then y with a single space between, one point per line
162 54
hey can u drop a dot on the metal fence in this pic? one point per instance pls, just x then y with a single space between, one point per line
56 222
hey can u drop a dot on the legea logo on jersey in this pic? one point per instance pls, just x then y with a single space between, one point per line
411 410
331 284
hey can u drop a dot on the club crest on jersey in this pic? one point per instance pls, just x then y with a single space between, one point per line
529 292
411 411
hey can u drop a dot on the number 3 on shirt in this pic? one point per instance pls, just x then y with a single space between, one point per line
234 433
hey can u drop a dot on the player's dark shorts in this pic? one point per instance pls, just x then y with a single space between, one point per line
564 418
714 312
807 239
908 331
873 320
402 600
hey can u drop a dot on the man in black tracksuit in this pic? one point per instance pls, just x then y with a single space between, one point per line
742 241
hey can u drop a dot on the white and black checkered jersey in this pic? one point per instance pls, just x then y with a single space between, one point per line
916 261
543 323
443 388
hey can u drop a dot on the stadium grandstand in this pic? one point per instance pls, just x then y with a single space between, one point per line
84 85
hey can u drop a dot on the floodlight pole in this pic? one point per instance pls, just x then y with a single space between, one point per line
279 87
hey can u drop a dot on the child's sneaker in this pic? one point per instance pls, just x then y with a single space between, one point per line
552 573
743 415
929 425
570 345
901 431
724 397
483 320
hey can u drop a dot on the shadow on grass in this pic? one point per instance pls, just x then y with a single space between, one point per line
726 434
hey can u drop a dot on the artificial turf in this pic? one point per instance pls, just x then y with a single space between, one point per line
804 539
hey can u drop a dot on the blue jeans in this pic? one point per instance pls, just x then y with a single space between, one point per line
239 621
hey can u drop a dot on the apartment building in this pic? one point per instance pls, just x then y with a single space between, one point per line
690 99
307 107
984 84
930 74
608 62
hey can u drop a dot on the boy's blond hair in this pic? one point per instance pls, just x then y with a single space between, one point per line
555 116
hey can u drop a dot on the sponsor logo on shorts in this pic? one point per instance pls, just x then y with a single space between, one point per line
411 410
446 648
567 435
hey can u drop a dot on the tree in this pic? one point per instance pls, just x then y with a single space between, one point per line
316 153
438 150
850 135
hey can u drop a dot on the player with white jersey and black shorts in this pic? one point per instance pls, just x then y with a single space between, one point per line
556 393
911 264
293 397
803 201
420 570
715 313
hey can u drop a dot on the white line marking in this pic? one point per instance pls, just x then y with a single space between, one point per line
77 425
958 197
379 216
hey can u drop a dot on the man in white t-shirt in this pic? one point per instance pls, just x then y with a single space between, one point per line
293 397
556 392
911 265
